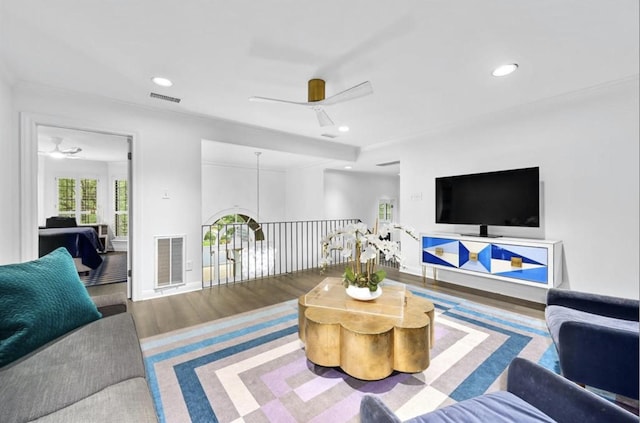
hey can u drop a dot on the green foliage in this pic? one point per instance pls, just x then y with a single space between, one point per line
349 277
362 280
224 230
376 278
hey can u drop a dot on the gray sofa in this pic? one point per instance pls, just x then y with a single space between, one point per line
94 373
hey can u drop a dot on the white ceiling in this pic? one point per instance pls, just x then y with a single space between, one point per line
94 145
429 61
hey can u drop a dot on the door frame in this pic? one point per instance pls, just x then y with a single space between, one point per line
28 184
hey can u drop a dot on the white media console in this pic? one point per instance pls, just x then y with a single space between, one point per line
533 262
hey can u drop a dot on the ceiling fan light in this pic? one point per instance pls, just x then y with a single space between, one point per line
505 70
163 82
343 128
57 154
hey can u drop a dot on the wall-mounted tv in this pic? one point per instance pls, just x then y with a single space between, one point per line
502 198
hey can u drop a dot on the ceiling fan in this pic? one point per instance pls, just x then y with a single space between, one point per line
58 153
316 98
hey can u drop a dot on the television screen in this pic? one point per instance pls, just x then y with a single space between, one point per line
503 198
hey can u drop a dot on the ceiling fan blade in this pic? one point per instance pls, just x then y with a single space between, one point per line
276 100
323 117
354 92
72 150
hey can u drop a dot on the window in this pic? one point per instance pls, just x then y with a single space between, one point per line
223 230
121 198
385 210
78 198
66 197
89 201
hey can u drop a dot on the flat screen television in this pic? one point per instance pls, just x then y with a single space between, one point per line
502 198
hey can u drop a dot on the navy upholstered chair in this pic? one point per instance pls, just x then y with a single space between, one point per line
534 394
597 339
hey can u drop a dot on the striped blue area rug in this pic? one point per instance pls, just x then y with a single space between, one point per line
252 367
113 269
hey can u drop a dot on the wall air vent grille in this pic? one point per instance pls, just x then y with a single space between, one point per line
170 259
164 97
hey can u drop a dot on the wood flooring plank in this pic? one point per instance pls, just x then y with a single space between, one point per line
161 315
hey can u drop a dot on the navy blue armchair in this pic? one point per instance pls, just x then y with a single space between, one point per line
534 394
597 339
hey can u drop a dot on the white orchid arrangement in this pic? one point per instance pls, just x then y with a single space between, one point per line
362 246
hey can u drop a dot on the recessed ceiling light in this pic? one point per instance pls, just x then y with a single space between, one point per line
163 82
343 128
348 167
504 70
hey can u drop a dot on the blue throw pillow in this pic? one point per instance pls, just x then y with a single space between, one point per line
40 300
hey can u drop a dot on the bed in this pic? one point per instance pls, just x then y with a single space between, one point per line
82 243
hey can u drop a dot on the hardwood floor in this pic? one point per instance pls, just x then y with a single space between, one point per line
165 314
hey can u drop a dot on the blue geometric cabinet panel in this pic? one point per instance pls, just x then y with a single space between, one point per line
513 261
475 256
441 251
534 262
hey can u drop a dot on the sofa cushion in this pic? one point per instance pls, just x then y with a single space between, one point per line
70 369
556 315
127 401
40 300
496 407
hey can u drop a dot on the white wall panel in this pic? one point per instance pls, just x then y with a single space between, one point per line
229 189
586 145
355 195
9 176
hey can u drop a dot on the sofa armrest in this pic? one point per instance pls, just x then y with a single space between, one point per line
110 304
373 410
600 367
559 398
619 308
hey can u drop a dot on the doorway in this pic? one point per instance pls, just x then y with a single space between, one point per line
84 176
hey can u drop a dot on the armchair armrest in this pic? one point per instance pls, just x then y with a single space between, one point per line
373 410
559 398
619 308
110 304
600 367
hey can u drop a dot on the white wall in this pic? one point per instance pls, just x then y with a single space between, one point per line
355 195
166 159
304 193
586 145
9 217
230 189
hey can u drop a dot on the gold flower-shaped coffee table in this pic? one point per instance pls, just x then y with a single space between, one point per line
367 339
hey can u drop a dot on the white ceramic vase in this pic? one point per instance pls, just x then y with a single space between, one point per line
363 294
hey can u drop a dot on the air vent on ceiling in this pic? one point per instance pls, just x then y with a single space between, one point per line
164 97
329 136
389 163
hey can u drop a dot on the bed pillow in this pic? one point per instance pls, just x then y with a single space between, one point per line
40 300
